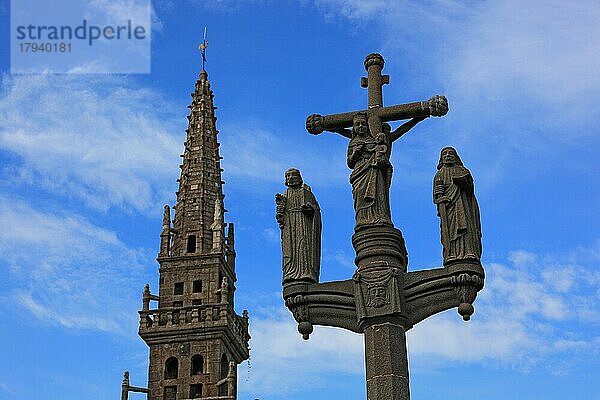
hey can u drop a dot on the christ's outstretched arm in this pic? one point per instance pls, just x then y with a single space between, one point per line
405 127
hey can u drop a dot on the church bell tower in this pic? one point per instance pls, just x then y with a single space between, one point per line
196 339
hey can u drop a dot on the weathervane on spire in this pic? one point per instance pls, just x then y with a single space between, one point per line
202 47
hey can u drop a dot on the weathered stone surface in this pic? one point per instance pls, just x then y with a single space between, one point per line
195 337
386 362
371 174
378 294
379 245
383 300
299 217
371 141
454 195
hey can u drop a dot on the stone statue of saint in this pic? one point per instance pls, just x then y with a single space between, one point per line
299 218
369 159
454 195
224 291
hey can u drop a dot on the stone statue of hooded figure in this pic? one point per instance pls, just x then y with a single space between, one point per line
454 195
299 218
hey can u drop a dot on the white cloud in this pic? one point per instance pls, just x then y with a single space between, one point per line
93 139
561 279
518 312
271 235
521 257
225 6
547 47
278 348
54 316
447 338
353 9
339 256
120 12
535 44
255 153
5 387
67 271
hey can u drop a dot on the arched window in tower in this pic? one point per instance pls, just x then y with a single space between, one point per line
224 367
171 368
223 374
191 244
197 364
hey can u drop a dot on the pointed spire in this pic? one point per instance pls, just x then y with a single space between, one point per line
200 184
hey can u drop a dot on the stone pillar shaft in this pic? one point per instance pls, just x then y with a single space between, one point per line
375 81
386 362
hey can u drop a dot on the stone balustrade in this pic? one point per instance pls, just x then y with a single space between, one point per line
206 315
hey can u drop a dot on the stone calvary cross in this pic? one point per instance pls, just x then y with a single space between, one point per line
382 300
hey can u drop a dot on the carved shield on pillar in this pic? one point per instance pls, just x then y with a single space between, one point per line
378 293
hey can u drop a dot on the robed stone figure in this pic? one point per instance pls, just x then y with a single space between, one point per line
369 159
454 195
299 219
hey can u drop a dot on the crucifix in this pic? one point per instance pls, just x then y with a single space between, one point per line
370 188
377 114
382 300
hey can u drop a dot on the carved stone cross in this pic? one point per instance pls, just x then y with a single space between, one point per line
377 114
370 145
382 300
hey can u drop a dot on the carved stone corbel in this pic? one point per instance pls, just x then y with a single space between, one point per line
297 305
466 287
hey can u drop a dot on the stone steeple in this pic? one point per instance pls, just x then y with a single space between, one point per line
200 194
196 338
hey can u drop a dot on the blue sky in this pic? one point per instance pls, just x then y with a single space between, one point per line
88 160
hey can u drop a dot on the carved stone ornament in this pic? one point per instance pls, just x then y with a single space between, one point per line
371 173
377 293
297 305
314 124
438 106
383 299
466 287
454 196
299 218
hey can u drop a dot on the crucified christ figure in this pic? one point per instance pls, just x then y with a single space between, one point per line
369 159
371 141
